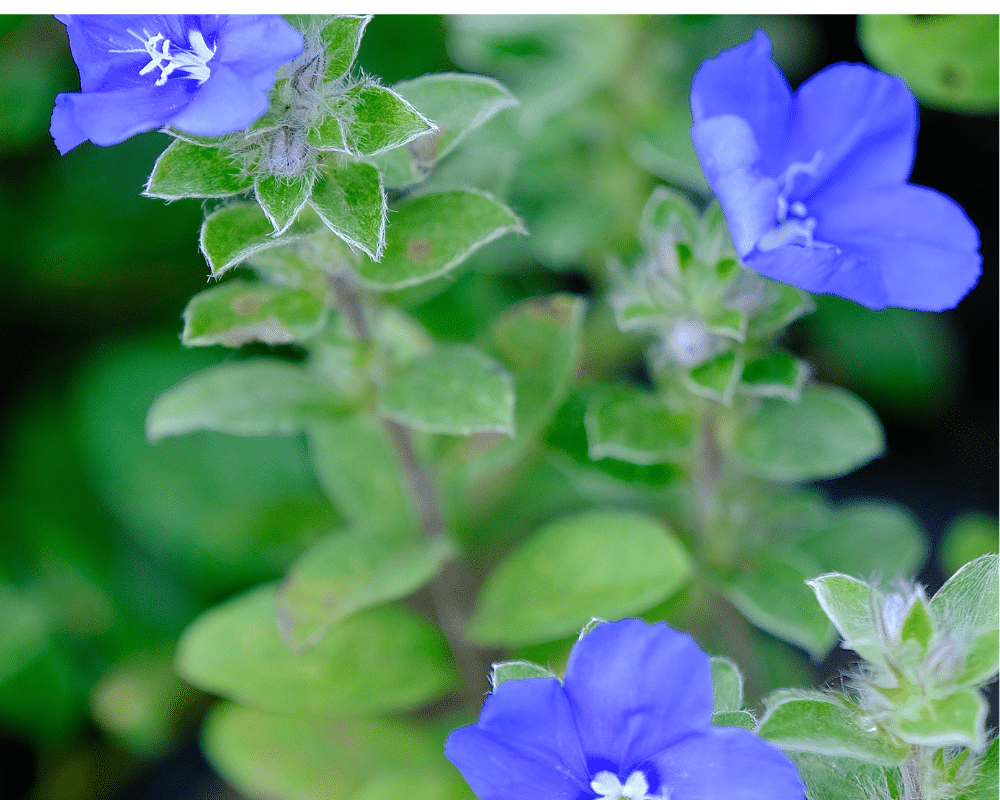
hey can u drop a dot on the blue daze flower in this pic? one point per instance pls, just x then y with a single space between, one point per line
205 74
814 183
631 720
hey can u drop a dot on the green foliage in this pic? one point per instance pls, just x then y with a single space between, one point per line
599 563
341 38
434 233
233 233
517 670
968 537
727 684
949 60
248 398
839 778
189 170
382 659
827 433
457 390
635 426
382 120
350 201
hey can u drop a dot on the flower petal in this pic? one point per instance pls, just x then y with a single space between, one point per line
863 121
731 159
257 43
524 746
730 763
108 118
745 82
225 103
635 688
920 241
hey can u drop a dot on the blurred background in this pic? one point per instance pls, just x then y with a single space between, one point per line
110 546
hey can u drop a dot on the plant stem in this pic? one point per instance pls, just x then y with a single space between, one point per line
449 589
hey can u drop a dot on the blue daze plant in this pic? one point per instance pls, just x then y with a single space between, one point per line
814 183
513 491
205 74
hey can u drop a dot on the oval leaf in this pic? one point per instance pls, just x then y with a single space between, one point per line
350 200
189 170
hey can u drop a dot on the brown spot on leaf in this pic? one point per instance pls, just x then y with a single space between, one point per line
419 250
247 304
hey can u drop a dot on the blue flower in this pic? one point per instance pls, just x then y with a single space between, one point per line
204 74
814 183
630 721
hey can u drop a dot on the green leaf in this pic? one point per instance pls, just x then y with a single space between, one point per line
829 432
727 685
247 398
329 135
291 757
981 661
968 537
233 233
458 104
189 170
238 311
949 60
849 604
342 38
517 670
918 624
969 602
432 234
360 473
379 120
782 304
282 198
717 378
775 375
346 572
829 778
601 563
987 776
379 660
734 719
773 595
350 200
457 389
636 426
958 720
865 539
817 723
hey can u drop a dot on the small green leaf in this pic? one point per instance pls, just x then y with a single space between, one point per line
957 720
817 723
379 120
717 378
458 104
346 572
772 594
457 390
295 757
827 433
668 215
432 234
189 170
781 304
517 670
342 38
329 135
830 778
734 719
987 776
350 200
981 661
282 198
379 660
969 600
949 60
237 312
232 234
727 685
918 624
775 375
248 398
605 564
635 426
849 604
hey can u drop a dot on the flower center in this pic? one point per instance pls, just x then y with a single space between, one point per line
193 61
636 787
794 225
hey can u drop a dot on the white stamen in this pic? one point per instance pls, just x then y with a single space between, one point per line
799 228
636 787
194 61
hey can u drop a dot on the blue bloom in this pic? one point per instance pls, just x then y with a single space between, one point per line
205 74
630 721
814 183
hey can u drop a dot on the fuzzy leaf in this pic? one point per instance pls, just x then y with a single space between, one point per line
958 720
282 198
517 670
457 390
342 38
635 426
432 234
379 120
247 398
830 778
189 170
232 234
727 685
351 202
716 378
775 375
599 563
237 312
